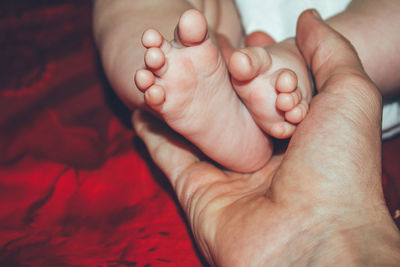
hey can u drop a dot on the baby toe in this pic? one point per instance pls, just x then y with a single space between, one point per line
155 96
282 130
240 67
154 59
152 38
286 81
298 113
247 63
144 79
287 101
192 28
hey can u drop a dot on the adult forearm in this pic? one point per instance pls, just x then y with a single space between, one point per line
372 27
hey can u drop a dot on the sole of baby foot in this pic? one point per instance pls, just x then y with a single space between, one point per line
187 83
270 92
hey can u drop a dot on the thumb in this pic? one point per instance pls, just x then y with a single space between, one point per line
326 51
338 143
259 38
337 69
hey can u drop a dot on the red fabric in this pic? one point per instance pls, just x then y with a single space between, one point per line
76 187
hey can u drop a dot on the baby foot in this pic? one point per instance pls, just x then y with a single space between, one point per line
273 82
187 83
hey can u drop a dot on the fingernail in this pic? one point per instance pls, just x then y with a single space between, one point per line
316 14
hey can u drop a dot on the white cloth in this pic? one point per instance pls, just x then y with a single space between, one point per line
390 120
279 17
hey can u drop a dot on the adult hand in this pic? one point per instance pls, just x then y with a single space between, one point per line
319 203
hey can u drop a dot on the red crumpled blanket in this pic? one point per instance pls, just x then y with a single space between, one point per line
76 187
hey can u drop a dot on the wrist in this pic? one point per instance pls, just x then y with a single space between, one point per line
364 245
345 237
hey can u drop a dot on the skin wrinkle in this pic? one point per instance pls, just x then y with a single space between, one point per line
195 195
301 230
327 125
201 214
347 232
179 121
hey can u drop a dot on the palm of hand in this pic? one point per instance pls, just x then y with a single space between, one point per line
273 212
323 189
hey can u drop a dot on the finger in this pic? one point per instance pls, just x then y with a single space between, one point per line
338 71
338 143
179 161
259 38
326 51
169 153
